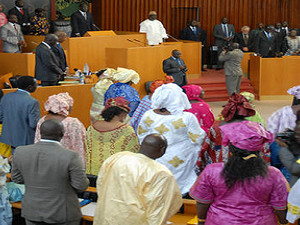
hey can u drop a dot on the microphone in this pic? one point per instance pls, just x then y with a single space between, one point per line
145 43
94 25
133 41
173 38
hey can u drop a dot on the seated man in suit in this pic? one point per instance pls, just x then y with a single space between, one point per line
12 36
22 14
47 68
144 190
223 34
60 53
193 32
82 21
245 39
52 176
267 43
175 67
19 114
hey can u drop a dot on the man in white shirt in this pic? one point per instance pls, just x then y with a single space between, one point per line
154 29
12 36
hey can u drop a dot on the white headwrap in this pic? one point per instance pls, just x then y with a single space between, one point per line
171 97
124 75
295 91
293 213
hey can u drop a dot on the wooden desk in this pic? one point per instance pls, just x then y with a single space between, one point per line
272 77
246 63
17 63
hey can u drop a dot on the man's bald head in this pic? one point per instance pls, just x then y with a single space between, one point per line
51 39
154 146
52 130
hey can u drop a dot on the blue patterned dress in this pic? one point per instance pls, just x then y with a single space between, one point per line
5 207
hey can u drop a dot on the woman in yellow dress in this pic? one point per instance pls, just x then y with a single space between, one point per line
109 136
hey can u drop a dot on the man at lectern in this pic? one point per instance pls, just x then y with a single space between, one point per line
82 21
154 29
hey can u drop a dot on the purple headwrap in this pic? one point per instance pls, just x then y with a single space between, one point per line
246 135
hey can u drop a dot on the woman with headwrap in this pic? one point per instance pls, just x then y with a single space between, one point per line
59 107
98 91
236 110
145 104
285 118
245 190
199 108
125 78
181 129
110 135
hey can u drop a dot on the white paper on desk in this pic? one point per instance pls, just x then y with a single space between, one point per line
89 209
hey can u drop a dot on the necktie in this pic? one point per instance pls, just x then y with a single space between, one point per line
269 36
226 31
195 30
16 29
85 16
246 39
178 61
22 11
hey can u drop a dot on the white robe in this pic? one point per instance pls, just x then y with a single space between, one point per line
155 31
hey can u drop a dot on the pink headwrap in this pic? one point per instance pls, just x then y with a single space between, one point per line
246 135
193 92
120 102
59 104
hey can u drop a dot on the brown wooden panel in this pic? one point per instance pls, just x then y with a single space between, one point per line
126 15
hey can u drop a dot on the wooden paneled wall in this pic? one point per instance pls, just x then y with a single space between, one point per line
125 15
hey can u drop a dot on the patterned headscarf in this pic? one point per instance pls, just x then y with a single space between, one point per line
124 75
171 97
237 105
247 135
295 91
157 83
59 104
193 91
120 102
249 96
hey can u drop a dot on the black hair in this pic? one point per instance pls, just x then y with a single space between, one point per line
100 72
238 169
25 81
109 113
147 86
1 93
296 101
39 10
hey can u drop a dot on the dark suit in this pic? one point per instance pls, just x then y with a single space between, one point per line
171 68
280 39
239 38
21 18
61 56
220 35
19 114
47 68
52 175
266 47
80 24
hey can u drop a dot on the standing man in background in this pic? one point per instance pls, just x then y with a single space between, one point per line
156 33
224 34
60 53
175 67
232 57
82 21
19 114
245 39
22 14
47 68
12 36
267 43
193 32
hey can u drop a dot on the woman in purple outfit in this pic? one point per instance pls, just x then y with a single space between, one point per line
244 190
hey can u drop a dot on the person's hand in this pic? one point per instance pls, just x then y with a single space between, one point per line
182 67
9 159
245 49
229 39
281 143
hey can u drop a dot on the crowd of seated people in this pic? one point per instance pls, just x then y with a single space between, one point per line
211 158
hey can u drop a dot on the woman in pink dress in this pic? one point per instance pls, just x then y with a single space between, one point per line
59 107
199 108
244 190
3 21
